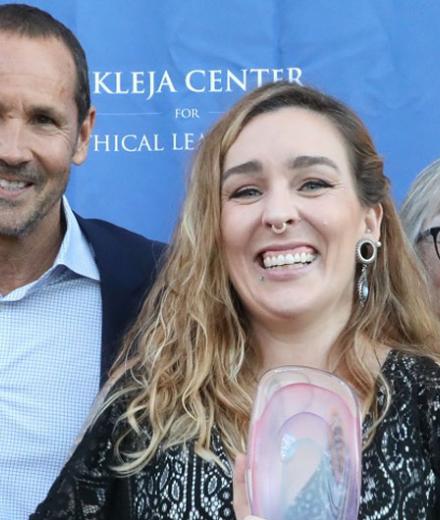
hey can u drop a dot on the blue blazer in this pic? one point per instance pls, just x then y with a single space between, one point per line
127 265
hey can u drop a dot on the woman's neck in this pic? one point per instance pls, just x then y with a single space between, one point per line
298 342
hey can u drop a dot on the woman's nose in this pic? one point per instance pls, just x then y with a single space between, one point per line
280 208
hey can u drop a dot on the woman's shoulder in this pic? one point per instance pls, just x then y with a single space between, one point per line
401 465
414 379
412 368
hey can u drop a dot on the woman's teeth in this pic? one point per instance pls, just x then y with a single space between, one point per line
289 259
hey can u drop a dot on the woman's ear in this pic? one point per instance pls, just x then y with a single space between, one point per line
373 220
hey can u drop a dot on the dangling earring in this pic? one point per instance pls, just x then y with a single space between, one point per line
366 253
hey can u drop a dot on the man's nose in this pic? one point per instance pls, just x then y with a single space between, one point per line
14 143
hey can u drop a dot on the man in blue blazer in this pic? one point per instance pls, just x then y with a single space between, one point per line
127 273
69 287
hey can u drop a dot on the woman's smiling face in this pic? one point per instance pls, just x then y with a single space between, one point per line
292 166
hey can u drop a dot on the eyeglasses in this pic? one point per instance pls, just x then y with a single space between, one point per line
434 233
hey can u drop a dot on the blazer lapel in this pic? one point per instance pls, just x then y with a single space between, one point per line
124 281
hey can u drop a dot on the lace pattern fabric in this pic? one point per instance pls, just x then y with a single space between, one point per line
401 470
400 479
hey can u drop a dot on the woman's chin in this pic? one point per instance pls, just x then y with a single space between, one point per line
285 315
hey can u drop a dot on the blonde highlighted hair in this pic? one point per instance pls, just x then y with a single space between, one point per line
189 366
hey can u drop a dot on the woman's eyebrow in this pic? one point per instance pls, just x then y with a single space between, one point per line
246 167
304 161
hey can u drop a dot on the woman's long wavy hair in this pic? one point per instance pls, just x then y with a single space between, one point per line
188 367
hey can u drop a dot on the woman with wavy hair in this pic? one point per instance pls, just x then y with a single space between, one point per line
288 251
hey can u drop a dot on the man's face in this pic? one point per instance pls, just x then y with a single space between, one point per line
39 133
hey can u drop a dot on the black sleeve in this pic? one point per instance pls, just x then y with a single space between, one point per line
430 408
86 485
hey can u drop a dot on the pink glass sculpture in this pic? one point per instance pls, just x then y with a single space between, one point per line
304 451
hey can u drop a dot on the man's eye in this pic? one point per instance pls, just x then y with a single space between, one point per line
244 193
315 185
42 119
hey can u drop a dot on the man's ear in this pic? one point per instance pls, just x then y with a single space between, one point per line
82 143
373 220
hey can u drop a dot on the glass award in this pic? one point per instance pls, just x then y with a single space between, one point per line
304 448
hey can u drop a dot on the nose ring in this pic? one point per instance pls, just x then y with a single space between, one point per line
279 230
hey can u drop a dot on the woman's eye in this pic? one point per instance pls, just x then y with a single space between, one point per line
315 185
244 193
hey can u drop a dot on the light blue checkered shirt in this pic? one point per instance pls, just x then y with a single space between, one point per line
50 353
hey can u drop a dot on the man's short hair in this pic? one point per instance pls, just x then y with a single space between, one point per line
31 22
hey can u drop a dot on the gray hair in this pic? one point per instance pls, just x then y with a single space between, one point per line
422 201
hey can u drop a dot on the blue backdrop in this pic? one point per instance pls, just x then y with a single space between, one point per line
162 71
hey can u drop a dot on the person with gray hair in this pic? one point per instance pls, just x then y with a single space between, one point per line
420 213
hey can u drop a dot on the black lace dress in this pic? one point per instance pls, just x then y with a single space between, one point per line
400 479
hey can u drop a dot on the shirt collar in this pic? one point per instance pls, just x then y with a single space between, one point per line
75 252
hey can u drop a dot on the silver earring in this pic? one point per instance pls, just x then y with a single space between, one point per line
279 230
366 254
